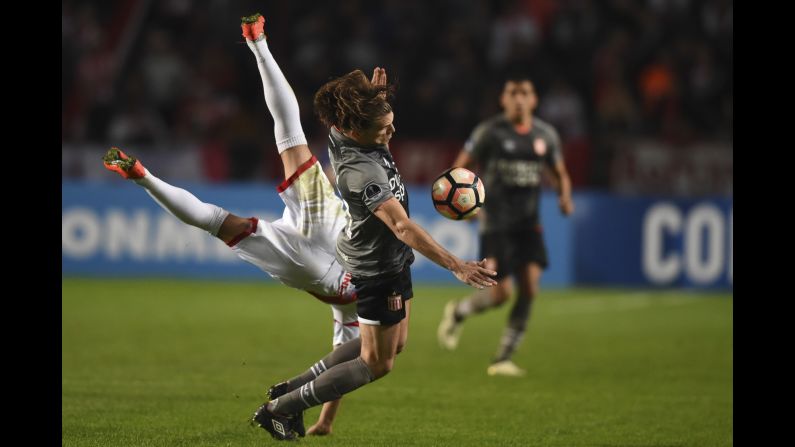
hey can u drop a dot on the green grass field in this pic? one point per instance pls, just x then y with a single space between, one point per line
185 363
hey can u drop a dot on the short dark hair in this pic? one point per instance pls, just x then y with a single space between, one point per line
517 76
518 72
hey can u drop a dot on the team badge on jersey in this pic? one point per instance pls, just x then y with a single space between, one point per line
540 146
509 145
372 191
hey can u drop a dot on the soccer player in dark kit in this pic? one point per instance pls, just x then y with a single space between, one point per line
511 148
374 247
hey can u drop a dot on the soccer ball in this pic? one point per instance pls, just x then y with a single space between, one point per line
458 194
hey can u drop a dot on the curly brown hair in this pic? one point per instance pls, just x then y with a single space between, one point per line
352 102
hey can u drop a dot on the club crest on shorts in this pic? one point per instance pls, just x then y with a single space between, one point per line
395 302
540 146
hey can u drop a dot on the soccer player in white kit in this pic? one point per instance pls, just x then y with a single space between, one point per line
299 248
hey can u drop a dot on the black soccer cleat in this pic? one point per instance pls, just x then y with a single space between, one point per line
280 427
278 390
298 424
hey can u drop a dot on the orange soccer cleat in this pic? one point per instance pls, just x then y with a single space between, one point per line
253 27
128 167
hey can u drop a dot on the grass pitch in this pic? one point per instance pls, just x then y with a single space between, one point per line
185 363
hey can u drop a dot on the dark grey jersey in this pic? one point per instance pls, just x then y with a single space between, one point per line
366 178
510 166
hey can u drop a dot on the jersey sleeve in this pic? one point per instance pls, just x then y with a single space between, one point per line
369 181
478 141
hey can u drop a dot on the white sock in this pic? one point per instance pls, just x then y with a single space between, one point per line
184 205
280 98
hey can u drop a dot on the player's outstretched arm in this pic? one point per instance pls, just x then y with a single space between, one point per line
409 232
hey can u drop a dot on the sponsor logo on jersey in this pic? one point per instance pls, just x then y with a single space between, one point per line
540 146
509 145
396 185
521 173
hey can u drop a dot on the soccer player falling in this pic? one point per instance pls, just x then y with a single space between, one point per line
297 249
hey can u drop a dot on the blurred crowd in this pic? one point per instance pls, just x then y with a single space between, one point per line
176 73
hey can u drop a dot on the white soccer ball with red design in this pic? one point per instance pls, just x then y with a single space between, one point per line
458 194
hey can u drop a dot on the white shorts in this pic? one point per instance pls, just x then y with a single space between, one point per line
346 323
299 249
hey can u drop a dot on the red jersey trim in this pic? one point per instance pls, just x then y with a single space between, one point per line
252 227
306 165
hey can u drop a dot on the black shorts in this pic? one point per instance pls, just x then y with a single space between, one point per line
514 249
382 301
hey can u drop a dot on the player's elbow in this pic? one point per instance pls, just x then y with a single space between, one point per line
402 230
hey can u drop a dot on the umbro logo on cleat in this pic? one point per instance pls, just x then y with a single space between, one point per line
278 427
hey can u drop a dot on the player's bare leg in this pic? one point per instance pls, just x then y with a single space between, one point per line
323 426
378 351
381 344
379 347
455 312
404 328
528 278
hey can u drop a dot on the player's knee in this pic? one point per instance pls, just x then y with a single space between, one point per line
530 291
382 367
379 366
500 296
499 300
401 345
387 366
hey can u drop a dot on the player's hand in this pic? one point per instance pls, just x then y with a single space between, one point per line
475 274
566 205
379 76
379 79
